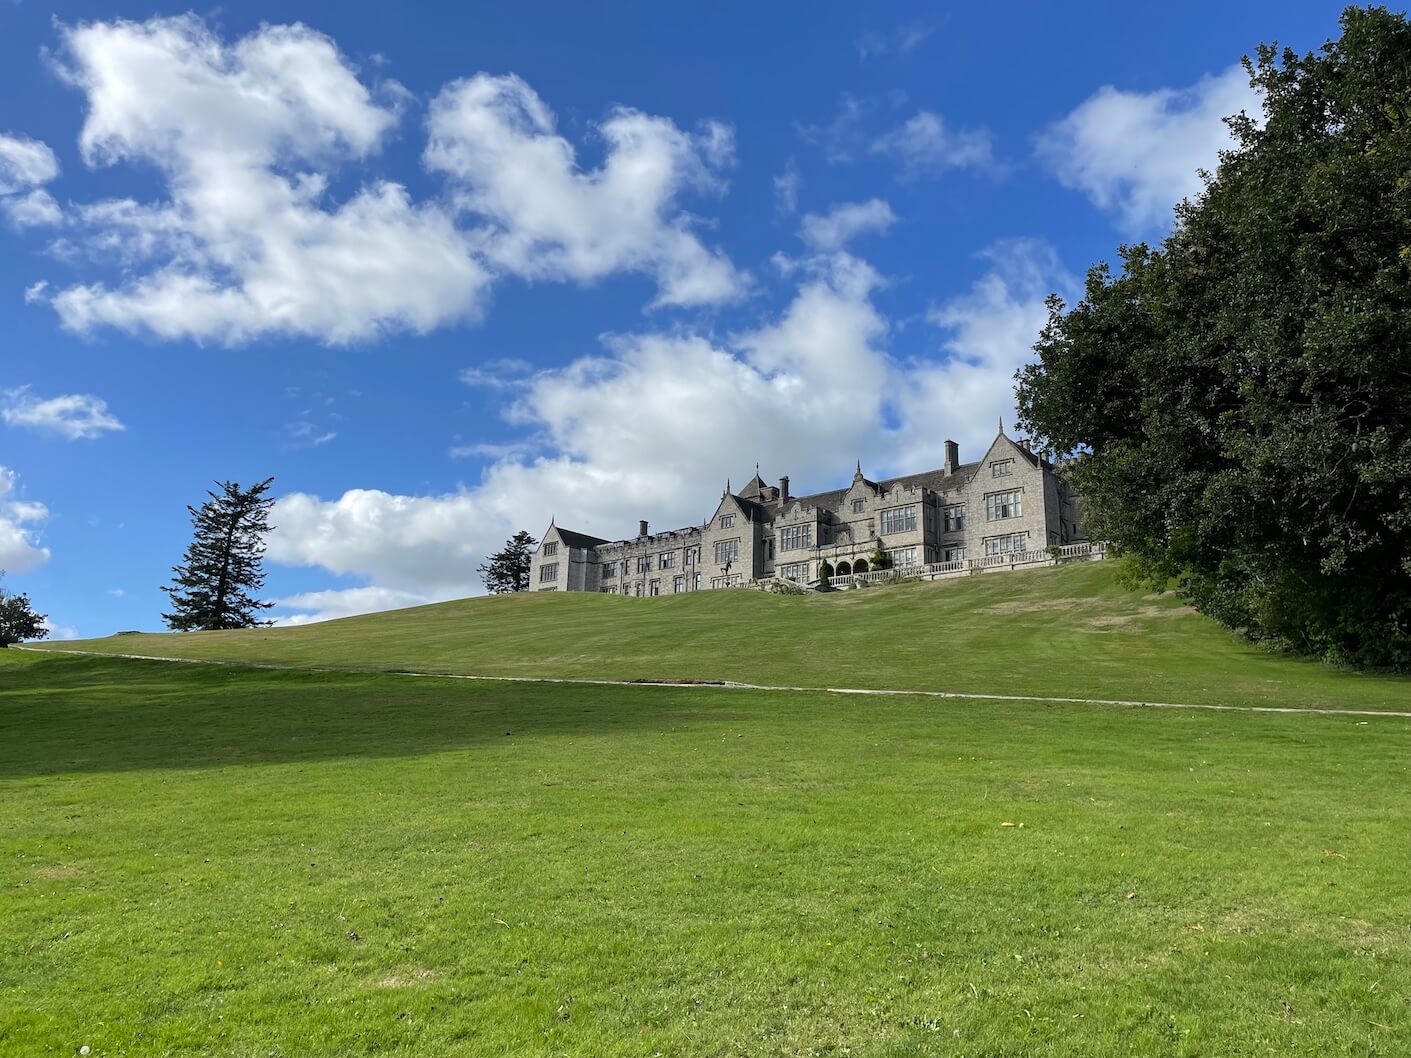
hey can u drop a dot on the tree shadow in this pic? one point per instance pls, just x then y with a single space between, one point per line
66 714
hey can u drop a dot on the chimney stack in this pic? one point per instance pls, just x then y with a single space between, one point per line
642 527
952 457
784 489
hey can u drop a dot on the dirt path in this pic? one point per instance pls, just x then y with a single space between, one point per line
730 685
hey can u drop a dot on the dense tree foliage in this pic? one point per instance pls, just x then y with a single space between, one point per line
18 621
223 570
507 570
1241 396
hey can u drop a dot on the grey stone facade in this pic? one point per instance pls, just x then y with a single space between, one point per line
1010 501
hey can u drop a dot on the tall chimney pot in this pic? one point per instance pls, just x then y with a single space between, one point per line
952 457
642 527
784 489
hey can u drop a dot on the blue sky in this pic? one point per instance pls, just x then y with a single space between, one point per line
444 272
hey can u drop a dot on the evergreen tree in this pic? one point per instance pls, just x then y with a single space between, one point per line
1239 394
18 621
508 570
215 585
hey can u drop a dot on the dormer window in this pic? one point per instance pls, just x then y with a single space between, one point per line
858 506
1001 468
726 521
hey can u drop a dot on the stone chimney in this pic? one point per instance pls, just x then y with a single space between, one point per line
642 527
952 457
784 489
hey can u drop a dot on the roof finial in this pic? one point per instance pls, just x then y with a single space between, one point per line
1001 424
859 468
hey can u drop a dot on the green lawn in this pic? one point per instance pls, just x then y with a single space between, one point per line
229 861
1067 632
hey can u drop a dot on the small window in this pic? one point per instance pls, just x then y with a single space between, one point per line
858 506
609 569
551 549
795 571
1005 545
726 551
696 583
549 573
655 588
902 557
726 521
639 589
668 560
1001 468
955 518
678 584
644 564
953 554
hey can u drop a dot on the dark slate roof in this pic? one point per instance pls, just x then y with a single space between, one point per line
935 480
753 489
573 539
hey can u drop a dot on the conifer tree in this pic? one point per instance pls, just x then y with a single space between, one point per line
216 584
507 570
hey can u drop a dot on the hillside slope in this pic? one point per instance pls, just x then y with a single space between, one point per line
1069 631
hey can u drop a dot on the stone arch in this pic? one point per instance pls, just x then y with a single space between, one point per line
860 566
844 570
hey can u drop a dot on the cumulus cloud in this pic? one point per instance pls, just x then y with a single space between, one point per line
988 333
550 219
246 137
1136 154
75 416
25 165
844 222
653 425
251 136
20 550
925 145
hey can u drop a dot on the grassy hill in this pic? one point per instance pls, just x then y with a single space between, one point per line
231 860
1065 632
227 861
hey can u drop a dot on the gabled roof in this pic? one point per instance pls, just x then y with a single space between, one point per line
754 488
572 539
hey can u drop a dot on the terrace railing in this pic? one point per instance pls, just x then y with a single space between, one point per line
1009 560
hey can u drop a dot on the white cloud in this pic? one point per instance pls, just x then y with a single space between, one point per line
504 373
786 188
1136 154
308 607
845 221
20 550
989 334
804 393
925 145
246 136
25 163
251 136
76 416
496 140
899 41
61 632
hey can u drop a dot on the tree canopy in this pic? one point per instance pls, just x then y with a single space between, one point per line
507 570
223 569
18 620
1241 396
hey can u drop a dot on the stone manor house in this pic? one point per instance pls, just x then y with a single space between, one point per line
965 515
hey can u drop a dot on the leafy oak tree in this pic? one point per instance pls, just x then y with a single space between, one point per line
18 621
216 585
507 570
1239 396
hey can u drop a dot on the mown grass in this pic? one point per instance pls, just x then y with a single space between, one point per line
227 861
1066 632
